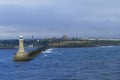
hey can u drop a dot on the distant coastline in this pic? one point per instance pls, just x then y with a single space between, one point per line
63 42
85 43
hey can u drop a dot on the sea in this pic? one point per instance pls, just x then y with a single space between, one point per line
92 63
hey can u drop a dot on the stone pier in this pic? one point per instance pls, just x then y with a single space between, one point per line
21 55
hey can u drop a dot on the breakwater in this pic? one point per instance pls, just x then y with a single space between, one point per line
29 55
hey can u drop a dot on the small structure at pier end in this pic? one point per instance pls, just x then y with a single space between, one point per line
20 54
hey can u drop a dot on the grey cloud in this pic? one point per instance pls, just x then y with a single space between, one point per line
58 17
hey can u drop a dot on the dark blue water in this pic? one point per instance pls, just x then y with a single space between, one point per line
97 63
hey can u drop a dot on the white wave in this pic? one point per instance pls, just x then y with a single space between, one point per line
110 46
106 46
45 55
48 50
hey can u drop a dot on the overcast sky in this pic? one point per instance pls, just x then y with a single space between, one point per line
48 18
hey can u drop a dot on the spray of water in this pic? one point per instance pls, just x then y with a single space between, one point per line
48 50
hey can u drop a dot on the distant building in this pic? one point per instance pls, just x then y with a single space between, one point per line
32 37
54 38
65 37
30 46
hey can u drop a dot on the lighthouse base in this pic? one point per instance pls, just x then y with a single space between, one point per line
20 56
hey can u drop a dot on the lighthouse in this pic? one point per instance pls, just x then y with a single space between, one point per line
21 52
21 45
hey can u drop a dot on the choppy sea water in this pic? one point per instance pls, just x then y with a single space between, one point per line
96 63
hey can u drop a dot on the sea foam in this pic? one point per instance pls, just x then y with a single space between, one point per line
48 50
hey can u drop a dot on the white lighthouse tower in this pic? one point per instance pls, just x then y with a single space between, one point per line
21 52
21 45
